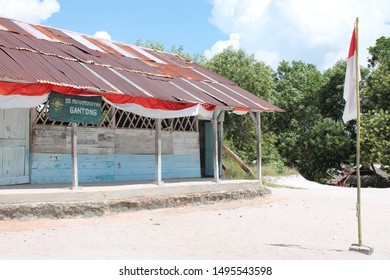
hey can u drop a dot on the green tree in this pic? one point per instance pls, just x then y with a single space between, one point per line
198 58
375 137
257 78
330 95
311 135
297 84
150 44
326 145
245 71
375 145
376 93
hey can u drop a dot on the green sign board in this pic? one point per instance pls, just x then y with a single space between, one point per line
75 108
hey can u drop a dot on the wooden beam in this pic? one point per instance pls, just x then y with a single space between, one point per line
221 118
158 176
237 159
258 134
215 138
75 176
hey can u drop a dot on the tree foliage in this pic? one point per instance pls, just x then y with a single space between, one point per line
179 50
325 146
330 95
376 93
375 138
257 78
244 70
310 134
376 104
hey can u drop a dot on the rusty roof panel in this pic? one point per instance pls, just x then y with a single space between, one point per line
156 86
137 64
264 105
10 39
48 33
187 86
11 26
113 67
222 98
25 69
10 69
103 46
55 70
121 84
237 96
210 75
170 57
177 66
86 75
179 71
69 40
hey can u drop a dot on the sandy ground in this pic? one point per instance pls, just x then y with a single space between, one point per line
313 222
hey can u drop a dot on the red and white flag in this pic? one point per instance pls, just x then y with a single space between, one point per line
350 93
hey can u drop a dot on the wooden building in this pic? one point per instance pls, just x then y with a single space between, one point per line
160 114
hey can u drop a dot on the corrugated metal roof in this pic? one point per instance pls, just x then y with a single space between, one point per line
38 54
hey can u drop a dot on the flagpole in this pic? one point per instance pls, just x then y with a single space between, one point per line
358 247
359 182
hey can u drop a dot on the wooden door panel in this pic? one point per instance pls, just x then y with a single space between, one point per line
14 146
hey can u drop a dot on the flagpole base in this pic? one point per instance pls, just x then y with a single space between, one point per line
75 188
361 249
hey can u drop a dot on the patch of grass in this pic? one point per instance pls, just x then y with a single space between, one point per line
269 171
234 171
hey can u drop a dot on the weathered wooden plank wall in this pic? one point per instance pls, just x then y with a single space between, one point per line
106 154
14 146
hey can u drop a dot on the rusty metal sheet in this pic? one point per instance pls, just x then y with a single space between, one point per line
10 69
264 105
210 75
222 98
136 64
116 80
136 71
10 25
10 39
26 70
187 86
228 93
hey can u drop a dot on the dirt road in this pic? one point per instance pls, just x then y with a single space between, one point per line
313 223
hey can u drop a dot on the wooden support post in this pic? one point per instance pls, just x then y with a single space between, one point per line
221 118
75 176
216 149
158 172
258 134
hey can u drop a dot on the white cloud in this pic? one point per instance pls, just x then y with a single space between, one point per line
272 58
103 35
33 11
314 31
218 47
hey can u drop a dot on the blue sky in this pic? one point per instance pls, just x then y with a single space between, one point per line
171 22
314 31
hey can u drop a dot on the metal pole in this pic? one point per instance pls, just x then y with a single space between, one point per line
158 177
75 177
258 132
